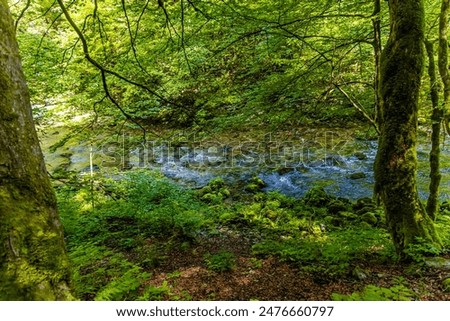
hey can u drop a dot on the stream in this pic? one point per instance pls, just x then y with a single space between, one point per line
344 167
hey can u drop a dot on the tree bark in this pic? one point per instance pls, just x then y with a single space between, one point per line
396 162
436 118
33 262
377 48
443 59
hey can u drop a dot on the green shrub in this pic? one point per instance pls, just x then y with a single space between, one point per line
375 293
332 253
220 262
101 274
419 250
138 206
155 293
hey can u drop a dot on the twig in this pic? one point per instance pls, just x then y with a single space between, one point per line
358 108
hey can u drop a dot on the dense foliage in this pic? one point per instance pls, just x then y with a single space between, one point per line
204 63
216 68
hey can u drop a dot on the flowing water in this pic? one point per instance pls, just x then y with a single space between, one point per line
344 168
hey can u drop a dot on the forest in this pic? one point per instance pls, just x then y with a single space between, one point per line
224 150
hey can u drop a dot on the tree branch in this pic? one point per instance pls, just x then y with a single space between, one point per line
132 38
22 13
358 108
103 69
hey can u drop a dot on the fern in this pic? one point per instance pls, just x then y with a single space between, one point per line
375 293
123 287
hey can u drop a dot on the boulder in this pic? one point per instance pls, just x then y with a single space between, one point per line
357 175
438 263
369 218
360 156
336 206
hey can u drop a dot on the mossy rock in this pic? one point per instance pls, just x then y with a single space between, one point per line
252 188
344 200
365 225
250 212
369 218
285 201
446 285
336 206
255 185
366 209
379 213
363 202
259 197
358 175
332 220
273 204
360 156
230 217
348 216
302 169
317 197
257 181
438 263
216 183
359 273
225 192
334 160
212 198
284 170
205 190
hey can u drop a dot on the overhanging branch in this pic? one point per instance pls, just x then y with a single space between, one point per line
358 108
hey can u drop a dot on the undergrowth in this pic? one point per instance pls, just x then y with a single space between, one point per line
121 227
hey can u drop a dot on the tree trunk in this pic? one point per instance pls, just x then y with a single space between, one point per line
396 162
33 262
436 118
376 24
443 59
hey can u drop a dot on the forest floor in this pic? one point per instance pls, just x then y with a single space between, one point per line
186 277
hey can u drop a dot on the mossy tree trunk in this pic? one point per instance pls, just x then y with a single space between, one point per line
396 162
443 59
377 47
436 118
33 262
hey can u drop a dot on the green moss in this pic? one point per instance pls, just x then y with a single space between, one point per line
358 175
363 202
205 190
216 183
255 185
360 156
224 192
273 204
369 218
336 206
446 285
316 197
396 161
252 188
365 209
35 265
